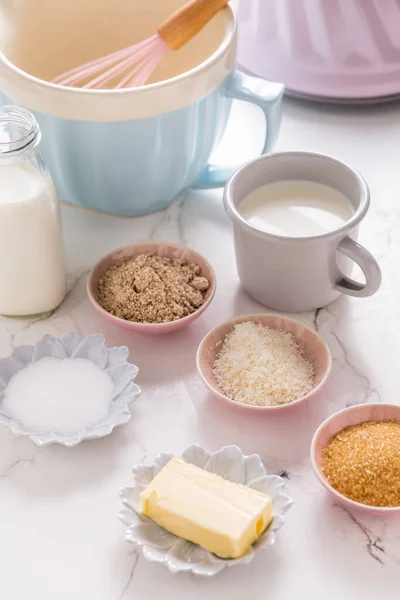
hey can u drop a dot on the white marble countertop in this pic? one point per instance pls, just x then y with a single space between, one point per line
60 537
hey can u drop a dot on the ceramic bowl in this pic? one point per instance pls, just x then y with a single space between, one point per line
158 545
92 347
327 49
313 346
345 418
165 249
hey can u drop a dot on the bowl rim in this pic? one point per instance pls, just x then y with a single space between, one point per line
252 317
146 326
323 480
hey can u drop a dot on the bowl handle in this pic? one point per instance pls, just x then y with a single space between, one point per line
265 94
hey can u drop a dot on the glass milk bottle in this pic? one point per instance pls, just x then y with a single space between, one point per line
32 265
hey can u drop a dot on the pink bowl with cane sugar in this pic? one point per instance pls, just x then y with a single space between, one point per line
329 428
313 347
162 249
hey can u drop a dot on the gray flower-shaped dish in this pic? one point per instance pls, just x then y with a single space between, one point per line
92 347
158 545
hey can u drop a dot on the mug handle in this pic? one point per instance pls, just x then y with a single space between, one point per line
368 265
265 94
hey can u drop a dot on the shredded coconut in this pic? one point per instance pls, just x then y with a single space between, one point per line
261 366
59 396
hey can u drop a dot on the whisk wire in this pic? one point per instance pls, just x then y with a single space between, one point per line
132 78
117 69
83 72
92 66
148 67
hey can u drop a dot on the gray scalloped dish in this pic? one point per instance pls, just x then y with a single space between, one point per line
158 545
92 347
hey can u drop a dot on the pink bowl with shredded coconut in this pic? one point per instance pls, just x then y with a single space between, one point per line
164 249
313 346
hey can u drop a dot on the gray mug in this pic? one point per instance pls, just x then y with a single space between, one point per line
296 274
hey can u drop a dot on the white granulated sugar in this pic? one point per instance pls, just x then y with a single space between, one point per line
59 396
261 366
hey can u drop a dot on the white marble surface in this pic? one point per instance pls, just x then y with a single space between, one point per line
59 533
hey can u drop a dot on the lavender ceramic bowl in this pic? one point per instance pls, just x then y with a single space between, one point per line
313 346
165 249
345 418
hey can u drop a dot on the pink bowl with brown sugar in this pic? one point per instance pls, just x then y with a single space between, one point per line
163 249
346 418
313 346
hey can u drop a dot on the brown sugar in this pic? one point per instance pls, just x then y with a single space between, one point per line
362 462
152 289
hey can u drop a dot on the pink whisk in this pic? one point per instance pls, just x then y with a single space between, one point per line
132 66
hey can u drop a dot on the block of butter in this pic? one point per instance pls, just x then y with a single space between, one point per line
223 517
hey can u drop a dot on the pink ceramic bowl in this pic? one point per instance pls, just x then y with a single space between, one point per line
165 249
350 416
313 346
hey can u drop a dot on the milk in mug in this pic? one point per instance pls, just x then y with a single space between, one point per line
296 208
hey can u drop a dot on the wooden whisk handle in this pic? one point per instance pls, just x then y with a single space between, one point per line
186 22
